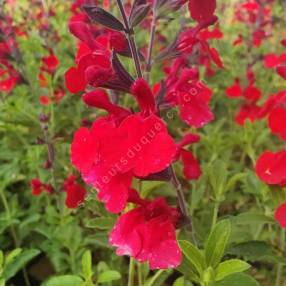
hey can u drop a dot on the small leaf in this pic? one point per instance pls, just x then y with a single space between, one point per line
238 279
229 267
218 177
21 260
193 255
103 17
12 255
179 282
250 217
86 262
104 223
64 280
107 276
216 243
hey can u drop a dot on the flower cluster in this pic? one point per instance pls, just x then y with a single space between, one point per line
127 145
270 166
9 76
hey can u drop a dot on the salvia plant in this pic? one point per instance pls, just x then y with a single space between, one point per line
142 142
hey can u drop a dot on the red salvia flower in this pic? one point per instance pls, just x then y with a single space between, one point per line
281 70
276 122
147 233
271 167
143 146
38 187
280 215
75 193
50 63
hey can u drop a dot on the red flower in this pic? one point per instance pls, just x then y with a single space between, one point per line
192 97
44 100
147 233
38 187
276 121
143 147
281 70
202 11
50 63
247 112
271 167
75 193
191 167
235 90
280 215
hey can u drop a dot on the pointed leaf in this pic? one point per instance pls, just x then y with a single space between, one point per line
216 243
229 267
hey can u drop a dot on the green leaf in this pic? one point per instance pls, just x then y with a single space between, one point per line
193 255
186 268
216 243
229 267
238 279
16 264
256 251
12 255
107 276
64 280
86 262
104 223
218 177
179 282
250 217
208 276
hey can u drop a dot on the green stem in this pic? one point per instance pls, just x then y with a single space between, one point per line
280 266
131 273
140 274
155 277
215 214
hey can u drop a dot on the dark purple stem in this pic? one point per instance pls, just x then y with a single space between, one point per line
130 36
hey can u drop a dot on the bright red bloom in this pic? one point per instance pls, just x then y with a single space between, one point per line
192 169
281 70
280 215
44 100
147 233
75 193
202 11
143 147
50 63
247 112
276 121
271 167
235 90
192 97
38 187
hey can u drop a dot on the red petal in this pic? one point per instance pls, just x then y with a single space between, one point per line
280 215
143 93
271 167
276 121
84 149
192 170
281 70
75 81
234 90
194 110
202 10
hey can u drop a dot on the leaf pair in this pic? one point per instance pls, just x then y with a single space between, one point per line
205 267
